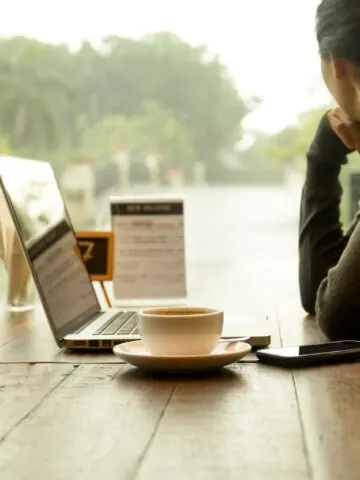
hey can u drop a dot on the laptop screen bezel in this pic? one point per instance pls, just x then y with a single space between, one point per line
75 324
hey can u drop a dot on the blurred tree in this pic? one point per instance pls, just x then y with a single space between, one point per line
153 130
195 89
53 99
157 130
103 137
33 92
290 143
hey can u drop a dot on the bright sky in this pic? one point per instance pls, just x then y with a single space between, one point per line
269 46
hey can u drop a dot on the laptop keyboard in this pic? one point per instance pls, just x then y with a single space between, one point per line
121 323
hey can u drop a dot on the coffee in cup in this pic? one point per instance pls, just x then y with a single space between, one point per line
180 330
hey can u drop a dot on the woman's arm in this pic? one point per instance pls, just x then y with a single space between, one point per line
338 298
321 238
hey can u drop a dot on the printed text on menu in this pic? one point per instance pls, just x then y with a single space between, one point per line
149 250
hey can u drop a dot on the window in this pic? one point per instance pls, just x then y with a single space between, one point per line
218 100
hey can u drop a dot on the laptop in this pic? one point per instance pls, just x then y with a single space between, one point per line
32 195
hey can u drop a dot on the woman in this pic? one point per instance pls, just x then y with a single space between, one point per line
329 271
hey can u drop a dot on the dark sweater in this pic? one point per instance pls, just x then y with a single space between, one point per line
329 268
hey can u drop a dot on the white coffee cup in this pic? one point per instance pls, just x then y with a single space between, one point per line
180 330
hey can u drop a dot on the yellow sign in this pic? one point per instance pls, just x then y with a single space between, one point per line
97 252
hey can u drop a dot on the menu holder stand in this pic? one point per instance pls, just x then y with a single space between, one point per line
97 251
106 295
149 248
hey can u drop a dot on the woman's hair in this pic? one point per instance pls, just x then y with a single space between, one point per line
338 30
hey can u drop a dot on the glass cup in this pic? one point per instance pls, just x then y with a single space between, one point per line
20 291
20 286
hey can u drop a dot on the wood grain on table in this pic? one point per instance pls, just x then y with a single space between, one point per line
118 422
81 416
328 398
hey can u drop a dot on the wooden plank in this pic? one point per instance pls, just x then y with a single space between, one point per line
329 400
106 422
27 338
295 326
40 347
244 424
30 340
13 325
23 387
95 423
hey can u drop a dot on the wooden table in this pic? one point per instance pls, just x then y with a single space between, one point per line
89 416
66 416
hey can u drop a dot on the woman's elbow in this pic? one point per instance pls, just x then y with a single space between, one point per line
308 299
338 320
329 325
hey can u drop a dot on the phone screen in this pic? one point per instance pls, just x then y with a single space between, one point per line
327 347
300 355
298 351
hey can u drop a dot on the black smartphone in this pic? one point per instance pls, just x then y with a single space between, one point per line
308 355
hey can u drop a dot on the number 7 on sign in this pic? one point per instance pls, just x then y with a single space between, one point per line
88 254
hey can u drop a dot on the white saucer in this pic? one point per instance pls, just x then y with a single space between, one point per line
224 354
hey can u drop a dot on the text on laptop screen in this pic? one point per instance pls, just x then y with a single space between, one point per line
48 237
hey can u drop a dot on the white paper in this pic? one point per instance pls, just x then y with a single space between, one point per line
149 249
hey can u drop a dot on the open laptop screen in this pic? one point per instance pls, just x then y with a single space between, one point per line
47 235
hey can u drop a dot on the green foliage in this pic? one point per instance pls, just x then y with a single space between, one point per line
291 143
157 130
103 138
177 80
5 147
153 130
158 93
33 92
154 95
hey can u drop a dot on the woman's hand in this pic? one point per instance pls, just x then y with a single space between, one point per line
346 129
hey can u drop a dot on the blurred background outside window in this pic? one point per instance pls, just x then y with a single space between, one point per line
217 100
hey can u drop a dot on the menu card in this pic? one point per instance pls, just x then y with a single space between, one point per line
149 248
